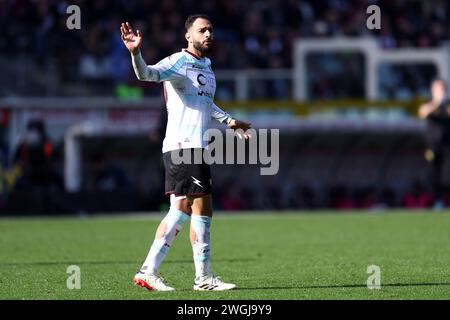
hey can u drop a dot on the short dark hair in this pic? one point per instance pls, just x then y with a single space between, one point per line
191 19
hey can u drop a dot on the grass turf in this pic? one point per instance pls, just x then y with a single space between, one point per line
269 256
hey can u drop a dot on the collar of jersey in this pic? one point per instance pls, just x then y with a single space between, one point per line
192 54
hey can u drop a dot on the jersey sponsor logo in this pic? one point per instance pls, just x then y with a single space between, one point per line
204 78
204 93
199 83
196 66
201 79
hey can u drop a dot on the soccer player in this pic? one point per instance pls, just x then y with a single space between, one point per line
437 114
189 87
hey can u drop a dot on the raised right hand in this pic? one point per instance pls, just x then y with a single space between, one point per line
131 40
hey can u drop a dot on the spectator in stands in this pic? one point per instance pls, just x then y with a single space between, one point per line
230 199
38 29
417 197
108 177
341 199
34 155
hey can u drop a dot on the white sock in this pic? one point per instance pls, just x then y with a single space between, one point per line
174 221
201 245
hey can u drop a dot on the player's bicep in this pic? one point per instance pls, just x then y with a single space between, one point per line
170 68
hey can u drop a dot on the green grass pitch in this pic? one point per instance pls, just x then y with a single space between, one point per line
268 255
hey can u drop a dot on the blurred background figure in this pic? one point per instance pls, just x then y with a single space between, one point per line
34 156
108 176
436 112
33 178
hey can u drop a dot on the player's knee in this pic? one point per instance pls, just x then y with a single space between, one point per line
181 204
192 236
184 206
202 205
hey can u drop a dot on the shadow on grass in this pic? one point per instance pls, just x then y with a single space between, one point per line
74 262
324 287
348 286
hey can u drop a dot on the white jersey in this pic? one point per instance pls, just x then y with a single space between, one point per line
189 88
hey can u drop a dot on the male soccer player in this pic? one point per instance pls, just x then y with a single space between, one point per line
189 88
437 114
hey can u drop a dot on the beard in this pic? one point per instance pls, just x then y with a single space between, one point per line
202 48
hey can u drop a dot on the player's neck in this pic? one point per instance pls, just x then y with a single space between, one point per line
194 52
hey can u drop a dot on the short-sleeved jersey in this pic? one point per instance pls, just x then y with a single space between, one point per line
189 88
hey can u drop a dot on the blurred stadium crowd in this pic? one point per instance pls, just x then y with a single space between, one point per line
249 34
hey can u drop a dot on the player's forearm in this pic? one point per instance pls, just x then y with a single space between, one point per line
220 115
142 70
424 111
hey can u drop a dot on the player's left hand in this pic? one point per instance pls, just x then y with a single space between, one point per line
240 127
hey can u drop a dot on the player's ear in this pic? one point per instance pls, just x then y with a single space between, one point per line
187 36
